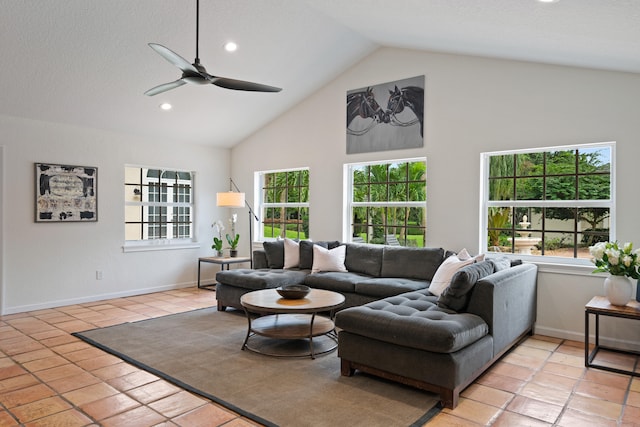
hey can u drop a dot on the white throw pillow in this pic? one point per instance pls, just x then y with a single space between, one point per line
445 273
328 259
291 253
463 255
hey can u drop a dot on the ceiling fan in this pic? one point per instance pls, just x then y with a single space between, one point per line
196 74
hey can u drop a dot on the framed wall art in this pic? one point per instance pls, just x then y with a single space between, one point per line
387 116
66 193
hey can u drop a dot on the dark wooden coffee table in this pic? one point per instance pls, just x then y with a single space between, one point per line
291 319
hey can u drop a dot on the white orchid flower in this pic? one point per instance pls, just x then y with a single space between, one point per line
218 226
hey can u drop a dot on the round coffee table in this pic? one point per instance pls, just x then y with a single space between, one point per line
291 319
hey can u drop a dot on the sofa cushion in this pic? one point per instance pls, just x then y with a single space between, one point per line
387 286
363 258
412 263
328 259
500 263
306 251
456 296
464 255
260 279
334 281
275 253
445 273
291 254
413 320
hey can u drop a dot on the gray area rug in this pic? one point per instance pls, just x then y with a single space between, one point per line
200 351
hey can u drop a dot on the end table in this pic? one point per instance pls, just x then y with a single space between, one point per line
224 263
600 306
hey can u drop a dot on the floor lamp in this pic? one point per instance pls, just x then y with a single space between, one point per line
236 199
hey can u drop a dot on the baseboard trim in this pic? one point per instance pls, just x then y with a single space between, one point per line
94 298
579 336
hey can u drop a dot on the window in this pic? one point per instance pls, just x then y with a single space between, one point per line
386 202
554 202
284 204
158 204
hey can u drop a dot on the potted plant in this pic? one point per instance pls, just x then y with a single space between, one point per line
233 238
621 263
217 241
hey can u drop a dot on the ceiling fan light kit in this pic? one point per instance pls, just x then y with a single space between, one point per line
196 73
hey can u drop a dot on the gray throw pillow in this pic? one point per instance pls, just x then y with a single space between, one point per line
274 250
456 296
501 263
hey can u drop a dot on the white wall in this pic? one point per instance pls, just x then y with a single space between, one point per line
55 264
472 105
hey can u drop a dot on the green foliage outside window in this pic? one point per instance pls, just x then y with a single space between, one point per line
380 190
287 190
576 175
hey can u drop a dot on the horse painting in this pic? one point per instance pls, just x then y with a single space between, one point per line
387 116
411 97
363 104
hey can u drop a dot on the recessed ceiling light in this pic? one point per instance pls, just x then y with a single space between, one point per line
166 106
230 47
548 1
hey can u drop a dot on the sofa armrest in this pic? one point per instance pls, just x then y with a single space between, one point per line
506 300
260 259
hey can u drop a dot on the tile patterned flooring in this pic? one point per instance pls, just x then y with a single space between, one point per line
50 378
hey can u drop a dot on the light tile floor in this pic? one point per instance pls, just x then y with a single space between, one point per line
50 378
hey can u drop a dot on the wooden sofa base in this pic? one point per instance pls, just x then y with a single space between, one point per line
448 397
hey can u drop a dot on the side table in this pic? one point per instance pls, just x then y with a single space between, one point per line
600 306
224 263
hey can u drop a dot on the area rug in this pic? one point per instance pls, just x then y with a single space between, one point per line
201 351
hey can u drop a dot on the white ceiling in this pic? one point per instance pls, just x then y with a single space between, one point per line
87 63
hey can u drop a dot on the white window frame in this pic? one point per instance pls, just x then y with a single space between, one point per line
348 203
261 205
542 259
168 243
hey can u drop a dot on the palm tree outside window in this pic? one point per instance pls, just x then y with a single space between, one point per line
387 202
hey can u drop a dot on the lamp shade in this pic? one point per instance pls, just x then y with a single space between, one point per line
230 199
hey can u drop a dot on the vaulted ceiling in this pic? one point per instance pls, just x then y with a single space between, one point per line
87 62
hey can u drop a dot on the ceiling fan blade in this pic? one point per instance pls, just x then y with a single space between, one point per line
174 58
165 87
242 85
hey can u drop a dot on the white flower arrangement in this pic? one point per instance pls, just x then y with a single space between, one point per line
610 258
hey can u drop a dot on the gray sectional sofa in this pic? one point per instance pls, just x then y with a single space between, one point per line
374 272
392 326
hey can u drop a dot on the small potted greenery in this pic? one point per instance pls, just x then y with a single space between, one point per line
233 238
217 241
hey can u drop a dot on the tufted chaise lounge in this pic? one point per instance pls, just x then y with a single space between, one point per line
412 339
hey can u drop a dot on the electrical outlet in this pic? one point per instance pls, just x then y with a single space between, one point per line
98 274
